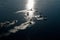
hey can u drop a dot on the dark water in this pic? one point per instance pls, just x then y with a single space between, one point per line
42 29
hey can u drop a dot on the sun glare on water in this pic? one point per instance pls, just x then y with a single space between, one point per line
30 5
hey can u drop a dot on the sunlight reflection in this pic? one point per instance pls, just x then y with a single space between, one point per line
30 4
30 7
